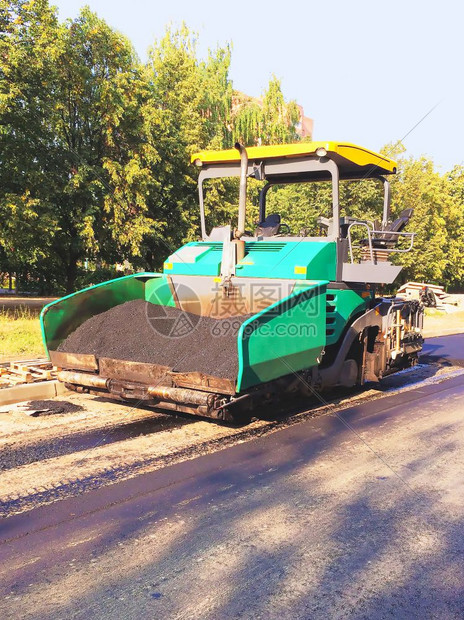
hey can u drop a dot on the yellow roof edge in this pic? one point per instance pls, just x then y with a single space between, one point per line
352 152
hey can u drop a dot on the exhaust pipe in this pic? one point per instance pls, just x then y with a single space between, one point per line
241 201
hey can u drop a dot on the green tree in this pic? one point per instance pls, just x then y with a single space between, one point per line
279 118
247 120
72 139
270 121
454 272
105 177
29 48
437 222
95 148
188 109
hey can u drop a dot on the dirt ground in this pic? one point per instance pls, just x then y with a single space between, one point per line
441 324
90 441
372 536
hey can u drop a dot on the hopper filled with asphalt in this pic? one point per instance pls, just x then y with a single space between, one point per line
139 331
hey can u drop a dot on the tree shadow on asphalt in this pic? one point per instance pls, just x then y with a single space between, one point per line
387 548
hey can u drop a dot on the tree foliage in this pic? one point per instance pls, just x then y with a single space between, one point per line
267 121
437 221
95 153
188 109
72 186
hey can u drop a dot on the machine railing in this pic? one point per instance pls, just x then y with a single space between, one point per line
378 243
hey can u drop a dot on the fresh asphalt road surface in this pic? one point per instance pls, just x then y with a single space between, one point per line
356 514
445 348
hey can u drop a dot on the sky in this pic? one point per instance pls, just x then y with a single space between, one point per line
366 72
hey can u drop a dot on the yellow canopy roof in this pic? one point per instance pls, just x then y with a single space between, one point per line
350 158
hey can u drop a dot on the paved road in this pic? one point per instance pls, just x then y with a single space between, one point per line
445 348
358 514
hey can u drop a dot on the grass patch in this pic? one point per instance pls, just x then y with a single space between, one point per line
20 334
435 312
437 323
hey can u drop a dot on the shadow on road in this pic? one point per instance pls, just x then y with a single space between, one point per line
349 516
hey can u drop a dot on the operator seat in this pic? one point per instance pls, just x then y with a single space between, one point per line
269 227
386 240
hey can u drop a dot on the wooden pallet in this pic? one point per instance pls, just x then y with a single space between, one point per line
26 371
413 291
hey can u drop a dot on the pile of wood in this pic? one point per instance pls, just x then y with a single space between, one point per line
26 371
415 290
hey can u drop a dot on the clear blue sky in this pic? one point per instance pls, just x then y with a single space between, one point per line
366 72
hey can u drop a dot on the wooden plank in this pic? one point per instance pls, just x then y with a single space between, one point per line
74 361
36 391
27 372
43 374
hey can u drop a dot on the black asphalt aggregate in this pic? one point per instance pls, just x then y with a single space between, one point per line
143 332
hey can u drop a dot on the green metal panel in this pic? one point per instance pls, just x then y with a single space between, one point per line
286 337
158 291
342 305
314 260
305 260
60 318
207 264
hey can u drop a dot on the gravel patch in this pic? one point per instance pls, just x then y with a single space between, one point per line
49 407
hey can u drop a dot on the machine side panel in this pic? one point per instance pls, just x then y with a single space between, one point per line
305 260
381 273
195 259
342 305
286 337
60 318
302 260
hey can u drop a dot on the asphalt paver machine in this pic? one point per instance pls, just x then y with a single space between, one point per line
301 313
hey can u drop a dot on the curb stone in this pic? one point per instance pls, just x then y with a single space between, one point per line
31 391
